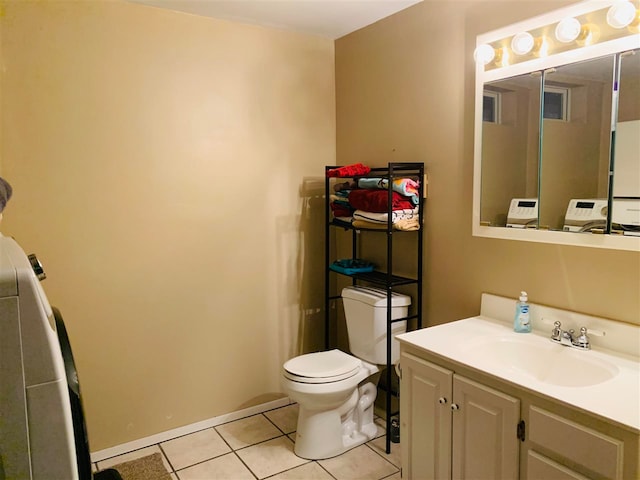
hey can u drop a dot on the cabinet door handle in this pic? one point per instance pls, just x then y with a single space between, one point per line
442 400
454 406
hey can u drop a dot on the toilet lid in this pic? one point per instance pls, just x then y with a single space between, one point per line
322 367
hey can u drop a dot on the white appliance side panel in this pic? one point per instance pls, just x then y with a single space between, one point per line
626 178
14 440
8 284
41 350
53 452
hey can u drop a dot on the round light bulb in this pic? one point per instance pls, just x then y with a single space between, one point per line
484 54
522 43
567 30
621 14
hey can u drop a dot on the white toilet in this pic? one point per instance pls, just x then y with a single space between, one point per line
335 399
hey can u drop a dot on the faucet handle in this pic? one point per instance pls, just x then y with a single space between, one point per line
597 333
582 340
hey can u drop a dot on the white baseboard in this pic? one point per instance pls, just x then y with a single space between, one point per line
187 429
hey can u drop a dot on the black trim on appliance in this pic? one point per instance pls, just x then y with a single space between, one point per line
83 456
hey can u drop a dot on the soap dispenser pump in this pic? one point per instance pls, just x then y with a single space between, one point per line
521 322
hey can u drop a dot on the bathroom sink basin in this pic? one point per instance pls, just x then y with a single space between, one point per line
604 381
545 361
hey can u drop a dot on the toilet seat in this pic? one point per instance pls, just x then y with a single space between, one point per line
322 367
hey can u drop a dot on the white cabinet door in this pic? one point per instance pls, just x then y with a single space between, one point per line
485 443
540 467
425 419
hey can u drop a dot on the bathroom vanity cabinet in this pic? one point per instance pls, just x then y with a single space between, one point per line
454 427
393 250
458 422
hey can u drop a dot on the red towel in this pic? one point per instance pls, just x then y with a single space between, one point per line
376 200
349 171
340 210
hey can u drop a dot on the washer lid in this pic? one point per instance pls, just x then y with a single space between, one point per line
332 365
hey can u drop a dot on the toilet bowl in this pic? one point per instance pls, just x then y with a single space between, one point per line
336 391
335 402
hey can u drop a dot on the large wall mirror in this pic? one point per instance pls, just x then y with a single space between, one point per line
557 136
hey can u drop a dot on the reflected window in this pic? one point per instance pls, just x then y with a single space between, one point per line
491 107
556 103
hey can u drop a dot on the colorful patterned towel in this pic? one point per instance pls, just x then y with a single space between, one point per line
404 186
396 215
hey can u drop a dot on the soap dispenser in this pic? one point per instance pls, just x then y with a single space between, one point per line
521 322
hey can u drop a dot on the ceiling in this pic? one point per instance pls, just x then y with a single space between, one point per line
326 18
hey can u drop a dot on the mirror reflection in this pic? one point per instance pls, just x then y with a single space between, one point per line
576 128
510 133
548 148
625 215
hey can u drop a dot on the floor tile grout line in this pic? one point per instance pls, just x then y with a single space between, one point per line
389 476
235 451
176 470
274 424
328 472
173 469
308 462
245 465
232 450
203 461
384 457
261 442
277 473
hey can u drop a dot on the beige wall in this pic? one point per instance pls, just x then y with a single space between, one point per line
404 90
165 169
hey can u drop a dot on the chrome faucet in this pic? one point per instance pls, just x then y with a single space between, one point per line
568 338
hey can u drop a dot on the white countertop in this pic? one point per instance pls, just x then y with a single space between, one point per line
616 398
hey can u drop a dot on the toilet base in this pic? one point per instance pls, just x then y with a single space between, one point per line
326 434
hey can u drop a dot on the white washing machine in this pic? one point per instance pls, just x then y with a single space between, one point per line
42 430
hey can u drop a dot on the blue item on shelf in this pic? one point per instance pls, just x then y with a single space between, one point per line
349 266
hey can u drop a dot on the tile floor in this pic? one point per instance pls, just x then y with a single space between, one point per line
261 446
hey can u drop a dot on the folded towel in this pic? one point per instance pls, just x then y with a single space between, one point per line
340 210
349 170
364 224
377 200
404 214
5 193
407 224
350 266
404 186
403 225
344 186
344 199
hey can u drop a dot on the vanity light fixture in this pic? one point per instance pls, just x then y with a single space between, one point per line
567 30
589 34
484 54
522 43
585 24
541 46
502 57
621 14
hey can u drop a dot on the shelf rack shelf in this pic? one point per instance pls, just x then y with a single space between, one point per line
386 279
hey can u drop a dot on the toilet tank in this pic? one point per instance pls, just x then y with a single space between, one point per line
365 310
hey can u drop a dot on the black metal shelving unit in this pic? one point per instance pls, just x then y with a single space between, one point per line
384 279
